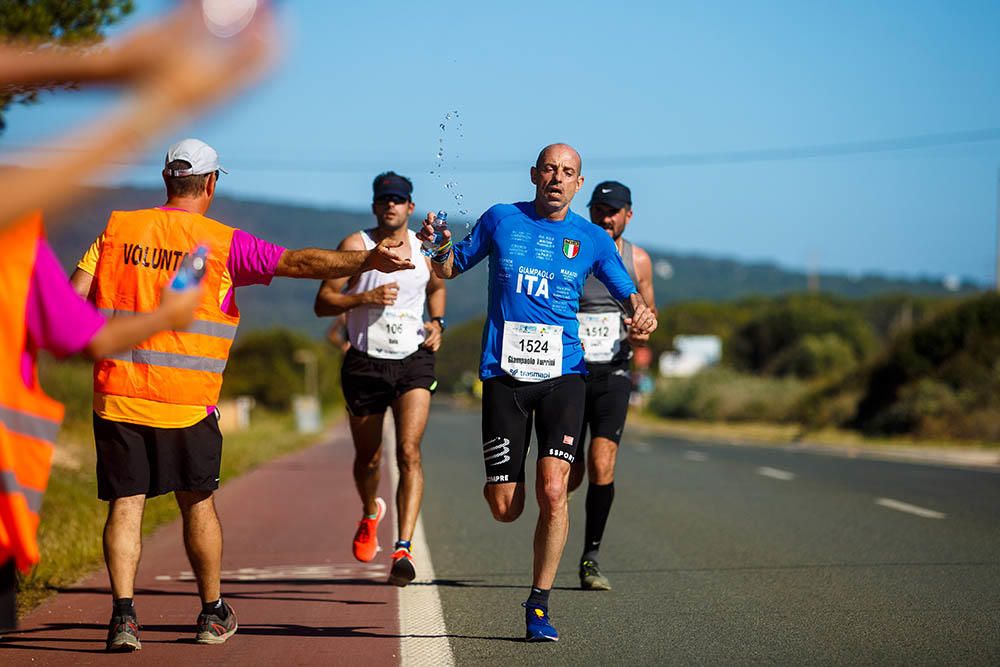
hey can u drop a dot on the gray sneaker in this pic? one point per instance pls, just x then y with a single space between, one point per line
214 630
123 634
591 578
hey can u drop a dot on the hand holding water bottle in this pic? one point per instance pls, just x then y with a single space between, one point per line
181 296
435 236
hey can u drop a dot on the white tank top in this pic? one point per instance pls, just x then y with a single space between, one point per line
390 332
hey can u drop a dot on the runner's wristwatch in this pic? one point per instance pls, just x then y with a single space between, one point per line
440 321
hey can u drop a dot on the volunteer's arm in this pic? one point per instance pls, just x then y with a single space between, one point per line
436 298
121 333
644 273
322 264
331 300
59 321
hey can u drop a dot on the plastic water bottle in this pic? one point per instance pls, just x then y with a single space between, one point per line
192 269
433 247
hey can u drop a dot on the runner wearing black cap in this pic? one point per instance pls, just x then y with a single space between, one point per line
607 342
390 363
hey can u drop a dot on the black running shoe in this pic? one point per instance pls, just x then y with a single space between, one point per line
123 634
214 630
402 571
591 578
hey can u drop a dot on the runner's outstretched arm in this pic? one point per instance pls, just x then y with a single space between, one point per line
443 268
322 264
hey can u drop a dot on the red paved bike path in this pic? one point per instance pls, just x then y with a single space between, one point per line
300 596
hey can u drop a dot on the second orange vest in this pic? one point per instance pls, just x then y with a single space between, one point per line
29 420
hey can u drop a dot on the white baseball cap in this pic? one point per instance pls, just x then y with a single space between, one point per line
202 158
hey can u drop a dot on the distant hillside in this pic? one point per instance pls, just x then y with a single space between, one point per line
289 302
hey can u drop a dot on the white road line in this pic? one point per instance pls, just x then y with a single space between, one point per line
424 638
900 506
775 473
641 446
695 456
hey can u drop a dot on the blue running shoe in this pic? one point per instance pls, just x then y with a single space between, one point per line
537 626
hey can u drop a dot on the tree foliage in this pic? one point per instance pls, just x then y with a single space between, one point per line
49 23
802 335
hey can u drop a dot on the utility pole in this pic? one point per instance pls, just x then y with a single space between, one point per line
997 270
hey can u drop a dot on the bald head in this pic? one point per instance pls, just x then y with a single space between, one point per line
557 179
559 153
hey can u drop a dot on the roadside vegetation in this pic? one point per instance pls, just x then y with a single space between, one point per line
890 366
72 518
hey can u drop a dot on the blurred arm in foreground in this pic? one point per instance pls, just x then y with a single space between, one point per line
173 68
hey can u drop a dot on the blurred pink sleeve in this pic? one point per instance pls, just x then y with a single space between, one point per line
57 319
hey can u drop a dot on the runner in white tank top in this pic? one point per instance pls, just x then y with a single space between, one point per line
390 363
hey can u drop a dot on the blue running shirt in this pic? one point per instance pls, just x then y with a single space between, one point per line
537 271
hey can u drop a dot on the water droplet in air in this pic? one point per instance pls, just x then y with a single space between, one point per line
447 116
463 211
441 125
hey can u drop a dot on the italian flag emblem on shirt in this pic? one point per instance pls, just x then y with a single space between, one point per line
571 248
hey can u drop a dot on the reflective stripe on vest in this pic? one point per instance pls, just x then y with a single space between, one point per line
29 425
171 360
9 484
204 327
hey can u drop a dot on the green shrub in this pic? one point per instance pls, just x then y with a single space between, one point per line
262 364
722 394
768 342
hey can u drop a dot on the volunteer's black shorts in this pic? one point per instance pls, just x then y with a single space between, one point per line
134 460
510 406
371 385
606 407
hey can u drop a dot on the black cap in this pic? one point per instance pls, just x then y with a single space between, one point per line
391 183
612 193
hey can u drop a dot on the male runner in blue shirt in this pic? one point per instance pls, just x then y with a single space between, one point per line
532 363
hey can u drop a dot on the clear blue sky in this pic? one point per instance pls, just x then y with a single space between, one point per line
362 87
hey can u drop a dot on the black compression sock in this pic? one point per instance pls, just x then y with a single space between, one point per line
123 607
216 608
598 506
539 598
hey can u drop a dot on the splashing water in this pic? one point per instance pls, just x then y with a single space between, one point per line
458 229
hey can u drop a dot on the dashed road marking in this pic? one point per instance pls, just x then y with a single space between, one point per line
424 638
900 506
641 446
695 456
775 473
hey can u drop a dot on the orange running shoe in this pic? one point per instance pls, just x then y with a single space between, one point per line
366 537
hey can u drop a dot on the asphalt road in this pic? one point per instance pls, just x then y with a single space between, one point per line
729 555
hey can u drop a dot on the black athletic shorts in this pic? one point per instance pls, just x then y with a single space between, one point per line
371 385
510 406
606 407
134 460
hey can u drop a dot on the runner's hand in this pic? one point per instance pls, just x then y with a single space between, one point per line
178 305
383 295
643 321
426 232
432 336
637 338
385 257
